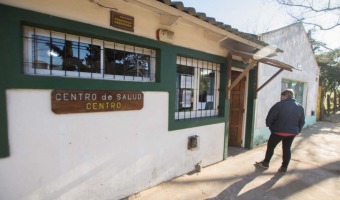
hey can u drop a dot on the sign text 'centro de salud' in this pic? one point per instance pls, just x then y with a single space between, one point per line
83 101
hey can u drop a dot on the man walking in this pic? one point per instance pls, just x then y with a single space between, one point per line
285 120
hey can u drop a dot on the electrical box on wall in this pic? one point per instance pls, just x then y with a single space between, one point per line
193 142
165 35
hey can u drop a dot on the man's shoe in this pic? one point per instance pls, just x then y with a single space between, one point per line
262 164
283 170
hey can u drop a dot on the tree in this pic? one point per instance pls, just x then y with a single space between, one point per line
311 12
317 46
329 63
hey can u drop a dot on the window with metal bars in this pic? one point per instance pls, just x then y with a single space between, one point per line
197 88
51 53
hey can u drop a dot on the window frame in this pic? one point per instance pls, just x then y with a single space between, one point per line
198 65
29 33
299 94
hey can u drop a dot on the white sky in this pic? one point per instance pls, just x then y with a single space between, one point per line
255 16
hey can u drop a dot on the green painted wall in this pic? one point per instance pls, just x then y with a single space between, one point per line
226 134
261 136
12 76
251 103
310 120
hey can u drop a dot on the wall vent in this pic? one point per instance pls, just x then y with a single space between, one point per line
193 142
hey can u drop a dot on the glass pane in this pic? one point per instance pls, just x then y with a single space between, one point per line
41 52
114 62
298 88
206 89
70 56
60 51
119 62
89 55
185 88
142 65
130 61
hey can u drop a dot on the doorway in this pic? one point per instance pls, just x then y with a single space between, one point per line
237 95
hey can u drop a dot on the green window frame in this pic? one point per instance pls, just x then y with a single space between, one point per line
52 53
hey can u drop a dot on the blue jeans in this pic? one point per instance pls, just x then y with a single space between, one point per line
286 144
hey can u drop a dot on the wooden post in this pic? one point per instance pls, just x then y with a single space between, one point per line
328 104
229 63
334 102
338 101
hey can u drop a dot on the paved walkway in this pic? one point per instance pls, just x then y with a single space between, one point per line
314 173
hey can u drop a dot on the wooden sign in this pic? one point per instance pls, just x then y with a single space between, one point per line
121 21
84 101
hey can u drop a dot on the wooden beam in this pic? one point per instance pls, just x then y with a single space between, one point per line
229 62
264 60
245 71
276 63
271 78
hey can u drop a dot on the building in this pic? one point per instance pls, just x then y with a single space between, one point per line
101 99
304 81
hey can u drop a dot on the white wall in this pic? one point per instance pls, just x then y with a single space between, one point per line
106 155
297 51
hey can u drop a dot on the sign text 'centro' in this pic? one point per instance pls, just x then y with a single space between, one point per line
79 101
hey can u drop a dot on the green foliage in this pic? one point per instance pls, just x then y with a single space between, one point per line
317 46
329 63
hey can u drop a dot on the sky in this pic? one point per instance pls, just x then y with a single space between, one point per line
257 16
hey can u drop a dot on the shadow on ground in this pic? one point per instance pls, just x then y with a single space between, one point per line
306 178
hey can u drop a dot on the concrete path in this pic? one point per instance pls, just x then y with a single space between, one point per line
314 173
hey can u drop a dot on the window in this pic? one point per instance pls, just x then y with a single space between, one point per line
51 53
197 88
296 86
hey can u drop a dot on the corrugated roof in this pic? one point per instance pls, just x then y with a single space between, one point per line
202 16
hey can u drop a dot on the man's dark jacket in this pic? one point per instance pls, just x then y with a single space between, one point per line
286 116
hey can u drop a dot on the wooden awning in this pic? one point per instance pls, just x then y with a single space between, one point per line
265 60
253 62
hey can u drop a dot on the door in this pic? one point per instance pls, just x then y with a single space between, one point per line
236 111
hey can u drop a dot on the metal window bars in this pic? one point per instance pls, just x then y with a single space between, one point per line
196 88
51 53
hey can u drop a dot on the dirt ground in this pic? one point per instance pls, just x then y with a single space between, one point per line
332 118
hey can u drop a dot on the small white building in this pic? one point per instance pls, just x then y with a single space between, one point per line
304 81
101 99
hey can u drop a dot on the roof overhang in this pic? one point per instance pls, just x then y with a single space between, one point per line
172 12
242 44
265 60
253 60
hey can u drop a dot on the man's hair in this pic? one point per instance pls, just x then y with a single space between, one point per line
289 93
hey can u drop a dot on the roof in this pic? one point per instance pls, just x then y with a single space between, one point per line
282 28
265 60
202 16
